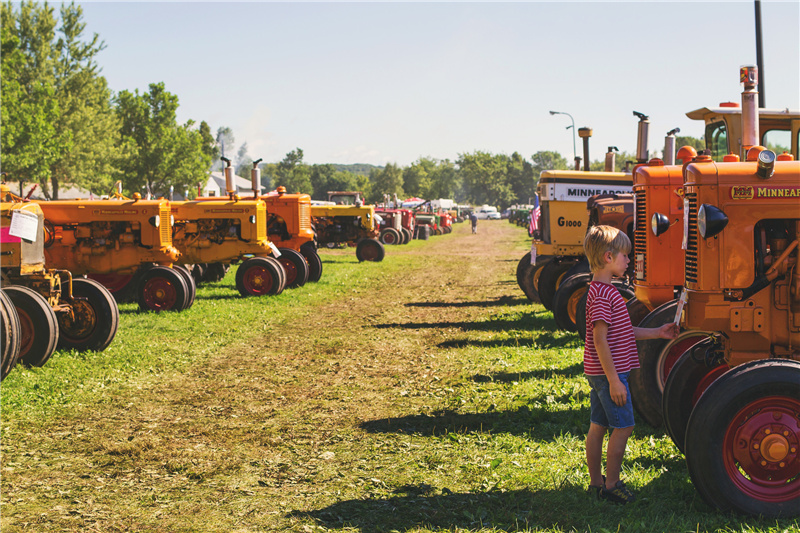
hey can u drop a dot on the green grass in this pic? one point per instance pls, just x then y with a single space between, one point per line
418 394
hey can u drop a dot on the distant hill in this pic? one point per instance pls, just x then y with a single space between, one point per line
360 169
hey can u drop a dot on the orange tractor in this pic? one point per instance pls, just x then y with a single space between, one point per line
44 308
731 401
125 244
289 227
230 230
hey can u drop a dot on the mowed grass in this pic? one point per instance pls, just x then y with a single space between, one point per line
423 393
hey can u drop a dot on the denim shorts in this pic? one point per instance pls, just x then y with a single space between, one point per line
604 411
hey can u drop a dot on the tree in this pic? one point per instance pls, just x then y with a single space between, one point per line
389 181
293 174
417 177
210 147
326 178
485 179
160 152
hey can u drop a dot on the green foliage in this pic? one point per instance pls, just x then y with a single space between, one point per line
388 180
485 179
697 144
326 178
293 174
159 152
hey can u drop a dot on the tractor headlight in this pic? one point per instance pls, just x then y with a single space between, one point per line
155 221
710 220
659 224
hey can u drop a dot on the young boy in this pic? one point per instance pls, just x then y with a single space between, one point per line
609 356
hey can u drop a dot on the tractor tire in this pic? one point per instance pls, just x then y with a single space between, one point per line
566 299
688 379
198 273
38 325
437 231
314 263
625 290
184 271
260 276
390 236
530 279
94 321
121 286
551 276
581 267
524 266
742 440
295 266
407 235
215 272
9 335
370 250
162 289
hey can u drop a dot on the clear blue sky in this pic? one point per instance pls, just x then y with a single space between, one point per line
392 82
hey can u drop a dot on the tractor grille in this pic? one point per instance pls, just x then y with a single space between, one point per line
640 235
166 227
544 220
691 243
305 217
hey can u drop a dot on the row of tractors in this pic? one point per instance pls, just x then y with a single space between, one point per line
66 263
715 249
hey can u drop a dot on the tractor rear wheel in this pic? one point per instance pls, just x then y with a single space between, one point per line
94 320
184 271
567 298
162 289
552 275
390 236
407 235
296 267
743 438
370 250
10 334
314 263
687 380
259 276
38 325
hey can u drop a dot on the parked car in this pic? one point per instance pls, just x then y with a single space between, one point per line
488 212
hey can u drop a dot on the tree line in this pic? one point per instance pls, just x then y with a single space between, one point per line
62 126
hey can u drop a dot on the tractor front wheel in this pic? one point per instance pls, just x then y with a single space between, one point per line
191 285
370 250
552 275
314 263
10 338
295 266
743 440
567 298
162 289
259 276
390 236
93 321
38 325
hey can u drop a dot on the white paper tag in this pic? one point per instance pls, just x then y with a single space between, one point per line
533 253
275 250
681 303
24 225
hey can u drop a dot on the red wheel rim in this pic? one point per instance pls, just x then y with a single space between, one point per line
25 332
113 282
160 294
369 252
291 270
388 238
761 450
676 351
258 280
708 379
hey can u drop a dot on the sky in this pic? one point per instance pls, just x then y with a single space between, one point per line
379 82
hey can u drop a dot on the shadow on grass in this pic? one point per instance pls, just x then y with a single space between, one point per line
544 373
503 300
528 321
544 341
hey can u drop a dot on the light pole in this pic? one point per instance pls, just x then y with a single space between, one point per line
574 151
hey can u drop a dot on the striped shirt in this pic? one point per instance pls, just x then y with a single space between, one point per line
604 302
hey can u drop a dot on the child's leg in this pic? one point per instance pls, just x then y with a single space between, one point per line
594 453
614 454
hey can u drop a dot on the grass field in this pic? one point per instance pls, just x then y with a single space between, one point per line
423 393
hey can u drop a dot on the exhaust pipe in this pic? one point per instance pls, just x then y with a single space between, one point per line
748 76
669 147
611 159
228 172
585 134
641 138
255 178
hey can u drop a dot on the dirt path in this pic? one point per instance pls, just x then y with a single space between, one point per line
264 432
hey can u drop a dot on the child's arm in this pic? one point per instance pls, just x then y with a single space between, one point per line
667 331
618 392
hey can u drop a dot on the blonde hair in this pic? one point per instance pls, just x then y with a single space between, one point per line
602 239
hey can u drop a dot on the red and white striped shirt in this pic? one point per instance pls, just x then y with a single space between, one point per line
604 302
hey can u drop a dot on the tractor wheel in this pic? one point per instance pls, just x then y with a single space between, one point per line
625 290
260 276
190 284
121 286
198 272
10 338
581 267
448 229
94 320
687 380
390 236
523 267
407 235
314 263
162 289
215 272
552 275
38 325
530 281
295 266
281 273
437 231
370 250
743 437
567 298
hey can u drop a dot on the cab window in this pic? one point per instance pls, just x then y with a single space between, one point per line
717 140
778 141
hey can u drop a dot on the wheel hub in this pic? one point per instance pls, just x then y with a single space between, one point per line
774 447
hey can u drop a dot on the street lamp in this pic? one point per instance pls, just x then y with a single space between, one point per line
574 151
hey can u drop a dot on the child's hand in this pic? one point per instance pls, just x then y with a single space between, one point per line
618 392
668 331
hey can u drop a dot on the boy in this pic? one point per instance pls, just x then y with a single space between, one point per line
609 356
